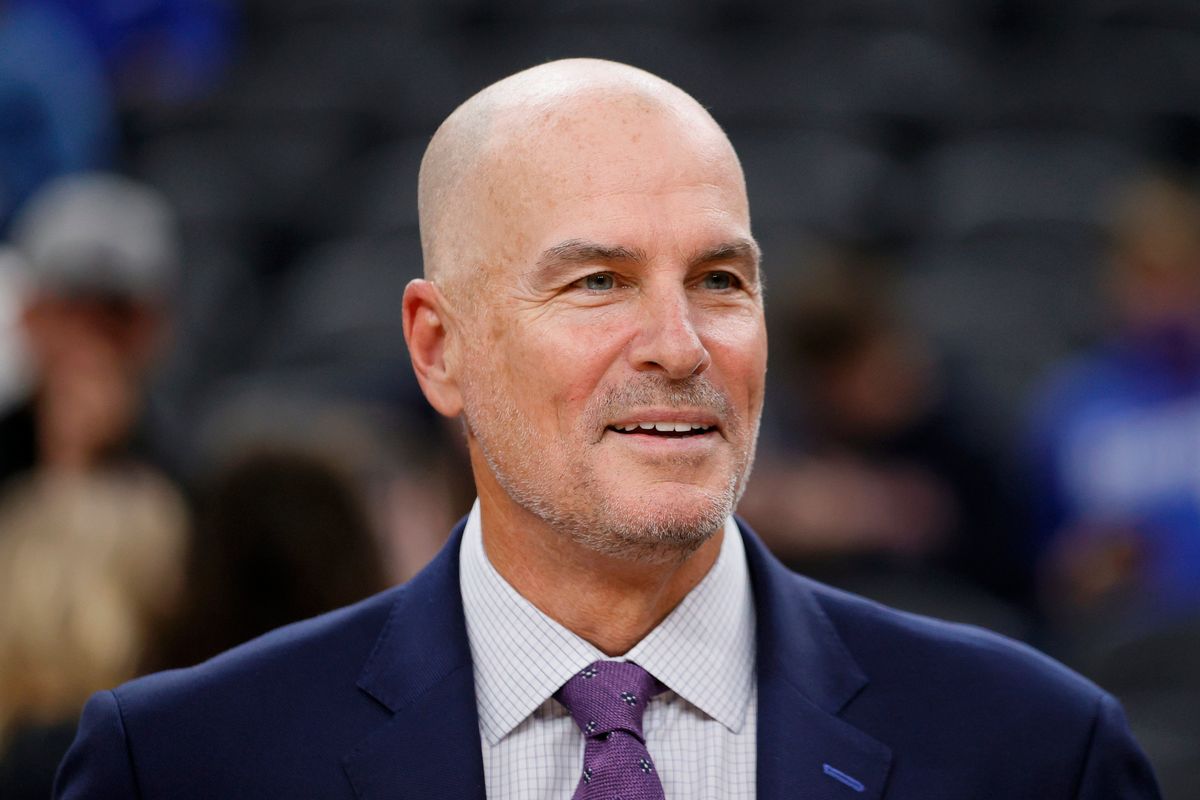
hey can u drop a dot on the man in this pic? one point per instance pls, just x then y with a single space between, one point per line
599 627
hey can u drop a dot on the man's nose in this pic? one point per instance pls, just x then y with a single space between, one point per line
668 341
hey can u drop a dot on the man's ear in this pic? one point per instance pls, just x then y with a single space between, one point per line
426 331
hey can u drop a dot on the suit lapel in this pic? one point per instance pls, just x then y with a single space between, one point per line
804 751
805 678
421 671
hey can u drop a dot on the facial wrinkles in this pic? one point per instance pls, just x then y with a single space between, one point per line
570 493
662 537
590 513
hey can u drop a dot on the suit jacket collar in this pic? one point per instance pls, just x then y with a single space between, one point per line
420 669
806 677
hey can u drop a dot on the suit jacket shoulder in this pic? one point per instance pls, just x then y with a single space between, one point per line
911 653
243 716
926 708
315 709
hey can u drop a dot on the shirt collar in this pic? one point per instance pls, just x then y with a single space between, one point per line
703 651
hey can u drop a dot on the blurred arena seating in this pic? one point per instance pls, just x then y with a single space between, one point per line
978 141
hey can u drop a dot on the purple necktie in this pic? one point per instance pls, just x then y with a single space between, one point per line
607 699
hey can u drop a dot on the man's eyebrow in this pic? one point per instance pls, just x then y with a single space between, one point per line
741 250
580 251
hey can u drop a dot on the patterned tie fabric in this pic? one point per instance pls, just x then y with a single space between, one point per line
606 700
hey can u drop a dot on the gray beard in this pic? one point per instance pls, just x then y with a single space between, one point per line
603 527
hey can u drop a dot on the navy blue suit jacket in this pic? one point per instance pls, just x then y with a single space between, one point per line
377 700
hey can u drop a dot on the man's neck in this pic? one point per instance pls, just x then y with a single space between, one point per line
611 602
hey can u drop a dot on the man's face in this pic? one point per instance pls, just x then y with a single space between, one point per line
615 380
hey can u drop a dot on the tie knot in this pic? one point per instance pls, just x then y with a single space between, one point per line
607 696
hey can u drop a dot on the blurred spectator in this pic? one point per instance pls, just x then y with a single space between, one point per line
90 566
884 476
407 468
1116 434
101 255
56 113
281 536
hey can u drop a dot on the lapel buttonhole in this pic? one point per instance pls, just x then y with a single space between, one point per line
842 777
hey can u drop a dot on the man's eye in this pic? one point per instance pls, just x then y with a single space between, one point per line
600 282
718 281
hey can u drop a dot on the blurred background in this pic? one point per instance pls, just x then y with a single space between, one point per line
981 226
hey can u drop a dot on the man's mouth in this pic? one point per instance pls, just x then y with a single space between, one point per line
672 430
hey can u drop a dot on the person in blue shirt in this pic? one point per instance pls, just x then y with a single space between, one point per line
1115 434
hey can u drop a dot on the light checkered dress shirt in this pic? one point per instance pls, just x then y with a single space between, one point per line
700 733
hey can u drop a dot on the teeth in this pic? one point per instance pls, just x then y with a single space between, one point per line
663 427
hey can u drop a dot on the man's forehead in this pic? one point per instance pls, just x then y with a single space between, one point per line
629 191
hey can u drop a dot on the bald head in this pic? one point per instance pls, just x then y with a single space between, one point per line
509 147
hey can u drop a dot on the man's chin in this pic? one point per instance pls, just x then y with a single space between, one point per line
668 523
